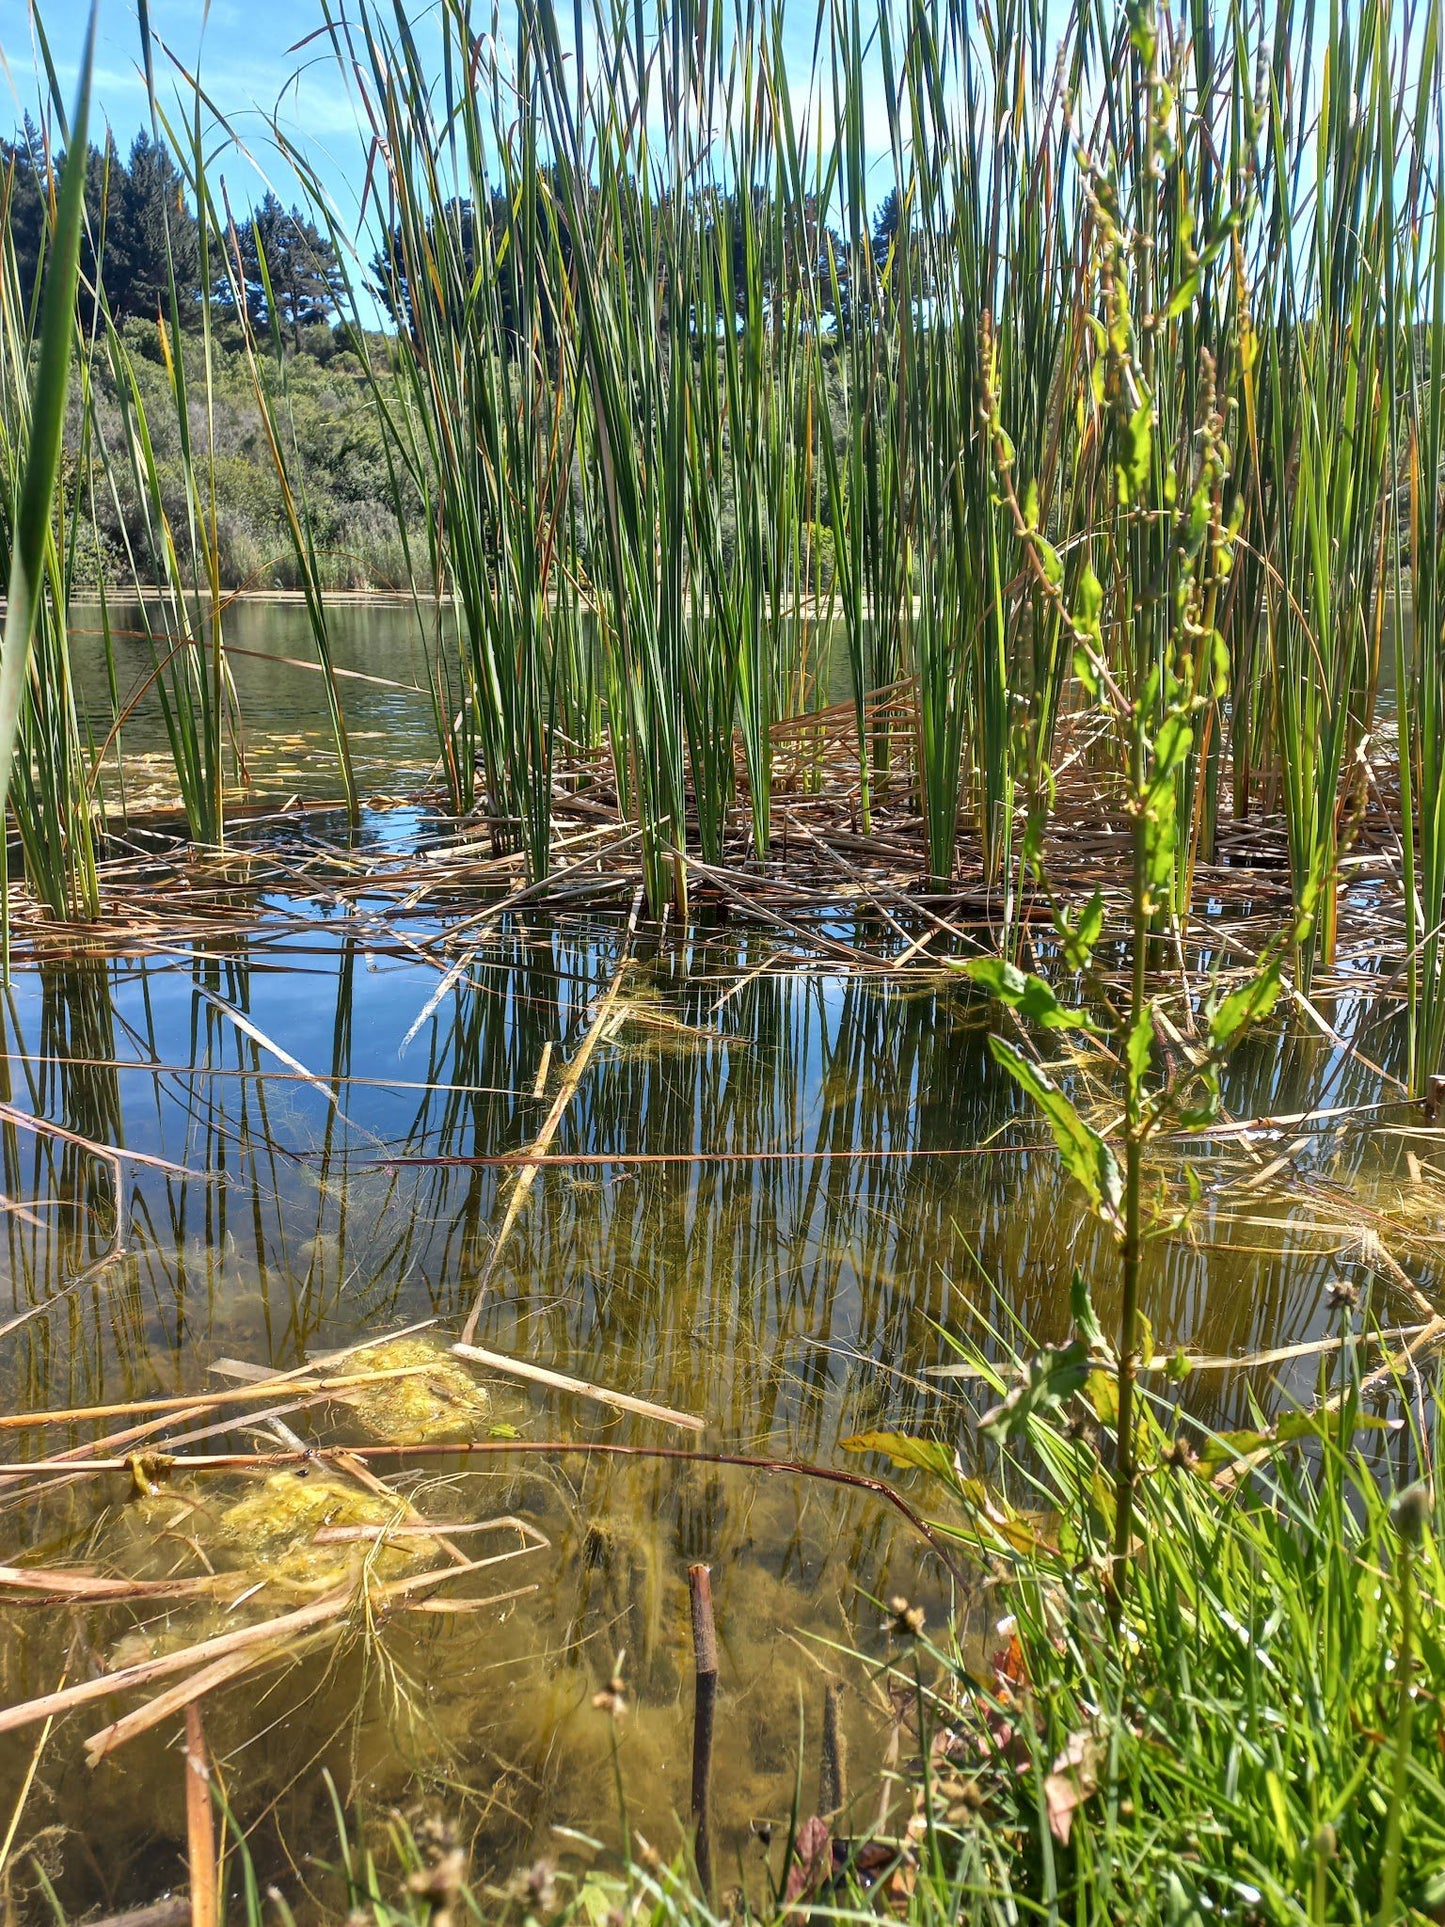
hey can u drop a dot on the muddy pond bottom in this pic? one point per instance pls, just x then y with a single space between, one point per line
775 1195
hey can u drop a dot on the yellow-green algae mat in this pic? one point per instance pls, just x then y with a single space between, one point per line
440 1402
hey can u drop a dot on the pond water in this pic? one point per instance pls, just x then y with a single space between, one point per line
789 1186
286 737
775 1195
287 740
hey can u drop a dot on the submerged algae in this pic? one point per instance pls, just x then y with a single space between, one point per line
440 1402
273 1530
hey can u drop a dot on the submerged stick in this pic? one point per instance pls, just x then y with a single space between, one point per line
200 1823
579 1387
704 1648
527 1175
267 1632
833 1758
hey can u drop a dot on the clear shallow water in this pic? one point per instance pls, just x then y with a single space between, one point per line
832 1176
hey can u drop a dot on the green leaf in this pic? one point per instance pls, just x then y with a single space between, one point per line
1247 1005
1217 680
1049 560
1136 444
1087 1158
1087 1328
1171 746
1196 526
1079 938
1052 1376
998 1517
1224 1448
1088 602
31 532
1087 674
1029 995
1182 296
1140 1047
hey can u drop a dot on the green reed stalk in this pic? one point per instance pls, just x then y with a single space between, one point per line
1419 365
37 713
291 482
687 366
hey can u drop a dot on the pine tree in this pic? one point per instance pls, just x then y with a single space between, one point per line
150 235
300 265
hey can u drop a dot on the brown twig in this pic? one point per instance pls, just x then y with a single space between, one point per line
200 1823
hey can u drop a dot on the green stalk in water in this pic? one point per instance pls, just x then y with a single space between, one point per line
37 716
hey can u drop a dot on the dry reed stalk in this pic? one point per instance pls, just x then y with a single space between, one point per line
95 1589
95 1449
443 1606
42 1740
301 1619
200 1824
86 1277
202 1401
1227 1361
527 1176
109 1154
583 1160
189 1692
579 1387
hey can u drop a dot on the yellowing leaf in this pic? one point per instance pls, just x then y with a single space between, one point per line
926 1455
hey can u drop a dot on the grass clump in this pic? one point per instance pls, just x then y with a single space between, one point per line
1253 1733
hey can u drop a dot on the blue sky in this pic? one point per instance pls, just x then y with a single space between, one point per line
252 62
243 50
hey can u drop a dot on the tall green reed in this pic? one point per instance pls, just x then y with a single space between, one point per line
41 762
680 322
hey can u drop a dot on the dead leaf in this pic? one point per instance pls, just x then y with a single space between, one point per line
812 1859
1074 1778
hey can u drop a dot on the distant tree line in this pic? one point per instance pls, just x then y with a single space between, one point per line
143 241
524 247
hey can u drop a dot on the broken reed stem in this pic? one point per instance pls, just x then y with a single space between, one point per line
187 1691
204 1401
579 1387
704 1648
200 1824
572 1077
